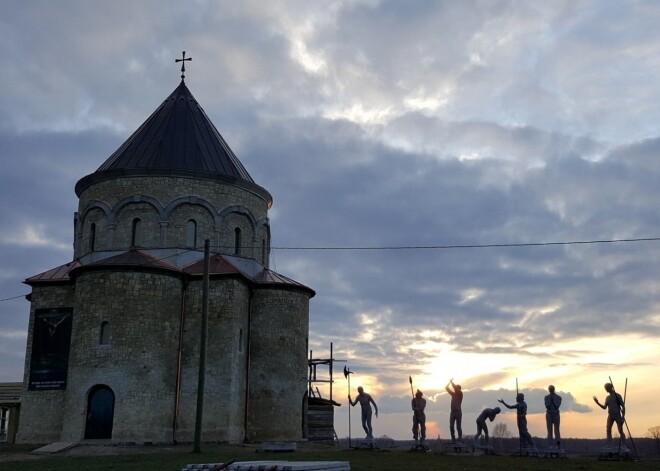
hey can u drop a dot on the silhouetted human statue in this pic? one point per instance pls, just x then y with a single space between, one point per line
481 422
552 403
521 415
418 404
616 411
365 399
455 412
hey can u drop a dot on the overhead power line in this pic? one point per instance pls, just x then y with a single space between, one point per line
438 247
13 297
471 246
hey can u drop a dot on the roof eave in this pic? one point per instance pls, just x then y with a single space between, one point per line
76 272
286 287
97 177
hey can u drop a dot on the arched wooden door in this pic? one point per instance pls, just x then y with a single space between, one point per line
100 412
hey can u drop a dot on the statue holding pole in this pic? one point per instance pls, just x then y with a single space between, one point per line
455 411
616 411
521 416
418 404
365 401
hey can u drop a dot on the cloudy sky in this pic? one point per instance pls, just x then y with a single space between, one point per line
460 130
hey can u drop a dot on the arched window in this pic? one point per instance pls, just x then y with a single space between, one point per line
92 237
237 241
191 234
104 333
134 232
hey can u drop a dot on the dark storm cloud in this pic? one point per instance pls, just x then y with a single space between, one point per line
405 199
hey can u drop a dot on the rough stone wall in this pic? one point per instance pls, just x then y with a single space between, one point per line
226 361
262 250
168 188
95 216
178 221
139 363
247 246
42 411
147 233
156 200
266 328
278 364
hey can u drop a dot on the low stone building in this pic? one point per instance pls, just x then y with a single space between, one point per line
10 408
114 335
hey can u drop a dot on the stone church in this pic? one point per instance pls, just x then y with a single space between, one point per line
114 335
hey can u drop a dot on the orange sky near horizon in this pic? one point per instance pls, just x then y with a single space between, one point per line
632 359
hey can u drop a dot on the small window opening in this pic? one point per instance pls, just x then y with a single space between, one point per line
191 234
92 237
134 232
237 241
104 333
240 340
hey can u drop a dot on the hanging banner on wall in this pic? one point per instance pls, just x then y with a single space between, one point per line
51 339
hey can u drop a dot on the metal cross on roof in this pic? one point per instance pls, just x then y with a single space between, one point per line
183 64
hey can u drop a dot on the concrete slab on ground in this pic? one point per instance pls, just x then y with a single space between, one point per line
57 447
278 446
272 465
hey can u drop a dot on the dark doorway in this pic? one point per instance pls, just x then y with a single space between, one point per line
100 412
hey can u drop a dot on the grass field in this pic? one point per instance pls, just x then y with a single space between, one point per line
14 458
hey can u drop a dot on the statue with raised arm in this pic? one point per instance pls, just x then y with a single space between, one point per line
418 404
481 422
455 412
365 401
521 416
552 403
616 411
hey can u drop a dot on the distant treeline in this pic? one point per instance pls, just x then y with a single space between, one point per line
648 448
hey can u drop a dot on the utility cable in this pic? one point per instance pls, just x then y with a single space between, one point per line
430 247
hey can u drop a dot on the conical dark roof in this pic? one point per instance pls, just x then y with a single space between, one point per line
177 139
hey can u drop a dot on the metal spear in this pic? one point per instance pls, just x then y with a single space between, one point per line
347 375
